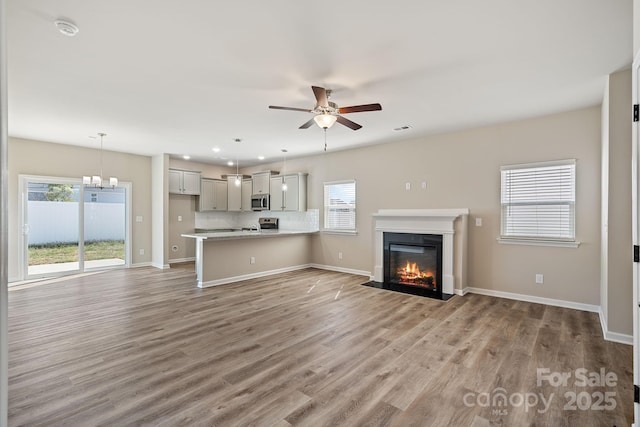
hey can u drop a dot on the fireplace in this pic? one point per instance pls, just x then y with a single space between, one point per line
413 263
442 232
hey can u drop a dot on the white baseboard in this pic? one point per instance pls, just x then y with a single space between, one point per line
256 275
160 266
609 336
461 292
142 264
534 299
178 260
613 336
342 270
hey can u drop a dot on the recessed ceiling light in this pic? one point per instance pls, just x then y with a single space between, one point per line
260 157
401 128
65 27
230 163
186 157
215 149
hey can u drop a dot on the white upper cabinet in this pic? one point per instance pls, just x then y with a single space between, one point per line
261 182
213 196
184 182
247 191
294 198
234 194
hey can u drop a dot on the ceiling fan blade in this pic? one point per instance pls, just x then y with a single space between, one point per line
348 123
360 108
307 125
321 96
275 107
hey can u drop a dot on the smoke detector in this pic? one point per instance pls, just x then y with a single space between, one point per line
65 27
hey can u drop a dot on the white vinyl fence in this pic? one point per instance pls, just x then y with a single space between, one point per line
57 222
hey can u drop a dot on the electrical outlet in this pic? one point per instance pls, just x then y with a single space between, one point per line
539 279
478 222
424 185
407 186
138 218
252 260
339 255
141 251
179 218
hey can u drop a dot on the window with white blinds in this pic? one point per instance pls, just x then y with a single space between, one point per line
538 201
340 206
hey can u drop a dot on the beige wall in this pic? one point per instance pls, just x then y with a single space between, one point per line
57 160
636 26
230 258
617 268
462 170
181 248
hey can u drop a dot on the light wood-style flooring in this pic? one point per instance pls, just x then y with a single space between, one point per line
147 347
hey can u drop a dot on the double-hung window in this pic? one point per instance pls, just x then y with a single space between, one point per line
538 201
340 206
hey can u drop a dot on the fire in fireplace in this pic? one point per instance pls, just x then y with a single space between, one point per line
411 275
412 263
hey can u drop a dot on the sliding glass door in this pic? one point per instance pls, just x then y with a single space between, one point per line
104 227
51 232
71 229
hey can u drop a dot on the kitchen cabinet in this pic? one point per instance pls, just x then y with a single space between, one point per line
213 195
184 182
261 182
295 196
247 191
234 194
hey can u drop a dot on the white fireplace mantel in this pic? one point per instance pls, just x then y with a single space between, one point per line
426 221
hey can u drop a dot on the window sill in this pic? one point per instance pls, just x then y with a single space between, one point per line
539 242
341 232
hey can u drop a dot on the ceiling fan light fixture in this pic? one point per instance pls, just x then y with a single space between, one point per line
325 121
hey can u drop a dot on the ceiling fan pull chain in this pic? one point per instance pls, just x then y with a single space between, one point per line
325 139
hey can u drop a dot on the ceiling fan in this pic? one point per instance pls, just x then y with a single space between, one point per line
327 112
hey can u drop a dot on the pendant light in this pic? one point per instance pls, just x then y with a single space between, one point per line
284 169
238 181
96 181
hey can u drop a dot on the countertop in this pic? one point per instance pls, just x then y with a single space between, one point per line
245 234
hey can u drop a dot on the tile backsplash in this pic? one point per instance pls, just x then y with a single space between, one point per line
307 221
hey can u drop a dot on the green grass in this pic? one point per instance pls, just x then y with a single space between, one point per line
68 252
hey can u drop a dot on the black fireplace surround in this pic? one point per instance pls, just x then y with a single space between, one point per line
412 263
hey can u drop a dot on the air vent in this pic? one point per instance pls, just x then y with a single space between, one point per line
401 128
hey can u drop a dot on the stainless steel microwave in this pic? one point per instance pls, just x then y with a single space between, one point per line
260 202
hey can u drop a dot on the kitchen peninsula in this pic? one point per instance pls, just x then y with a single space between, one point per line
227 257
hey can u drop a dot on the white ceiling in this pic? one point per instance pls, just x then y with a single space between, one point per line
182 77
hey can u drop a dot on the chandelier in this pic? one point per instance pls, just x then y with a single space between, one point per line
96 181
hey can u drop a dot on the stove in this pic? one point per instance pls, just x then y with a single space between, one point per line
268 224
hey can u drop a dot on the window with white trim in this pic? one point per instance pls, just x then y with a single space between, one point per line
340 206
538 201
